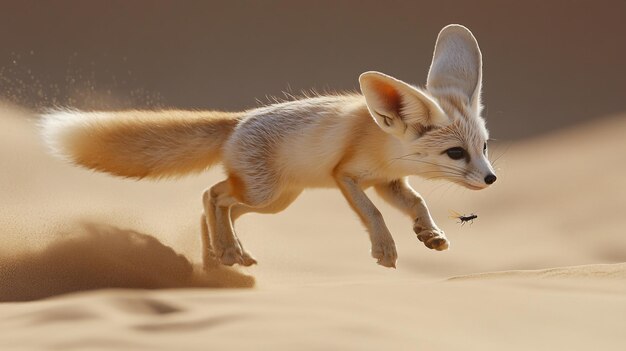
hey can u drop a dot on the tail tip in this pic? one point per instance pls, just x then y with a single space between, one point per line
54 125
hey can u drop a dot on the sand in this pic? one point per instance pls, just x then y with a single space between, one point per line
89 261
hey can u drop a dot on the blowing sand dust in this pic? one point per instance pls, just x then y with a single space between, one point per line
89 261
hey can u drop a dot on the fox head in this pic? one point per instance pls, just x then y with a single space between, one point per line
438 131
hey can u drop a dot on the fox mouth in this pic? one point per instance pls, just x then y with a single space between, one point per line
462 182
473 187
469 185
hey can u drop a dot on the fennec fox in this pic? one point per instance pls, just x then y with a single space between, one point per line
271 153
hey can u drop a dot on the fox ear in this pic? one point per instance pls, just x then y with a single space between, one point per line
457 64
397 107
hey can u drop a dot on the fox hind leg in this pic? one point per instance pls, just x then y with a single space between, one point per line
209 259
221 239
223 205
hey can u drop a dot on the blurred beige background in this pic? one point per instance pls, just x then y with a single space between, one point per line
548 64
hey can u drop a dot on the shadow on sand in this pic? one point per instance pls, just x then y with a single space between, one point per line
98 256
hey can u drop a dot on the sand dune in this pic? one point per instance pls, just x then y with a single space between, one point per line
114 263
596 271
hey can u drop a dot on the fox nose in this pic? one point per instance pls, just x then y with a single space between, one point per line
490 178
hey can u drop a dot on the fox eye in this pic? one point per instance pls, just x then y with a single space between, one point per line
485 147
456 153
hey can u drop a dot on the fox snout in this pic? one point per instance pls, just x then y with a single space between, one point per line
480 174
487 170
475 183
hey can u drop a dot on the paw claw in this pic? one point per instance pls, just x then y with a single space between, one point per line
248 260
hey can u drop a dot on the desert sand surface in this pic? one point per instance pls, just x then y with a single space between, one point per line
89 261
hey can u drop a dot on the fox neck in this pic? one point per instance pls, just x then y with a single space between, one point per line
383 157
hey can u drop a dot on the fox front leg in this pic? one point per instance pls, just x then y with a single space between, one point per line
383 246
400 194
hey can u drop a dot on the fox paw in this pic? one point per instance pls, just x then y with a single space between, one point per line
385 254
235 255
230 255
209 260
433 239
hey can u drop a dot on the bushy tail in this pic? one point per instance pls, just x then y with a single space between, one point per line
140 144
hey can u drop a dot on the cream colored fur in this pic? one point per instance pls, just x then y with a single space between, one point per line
272 153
